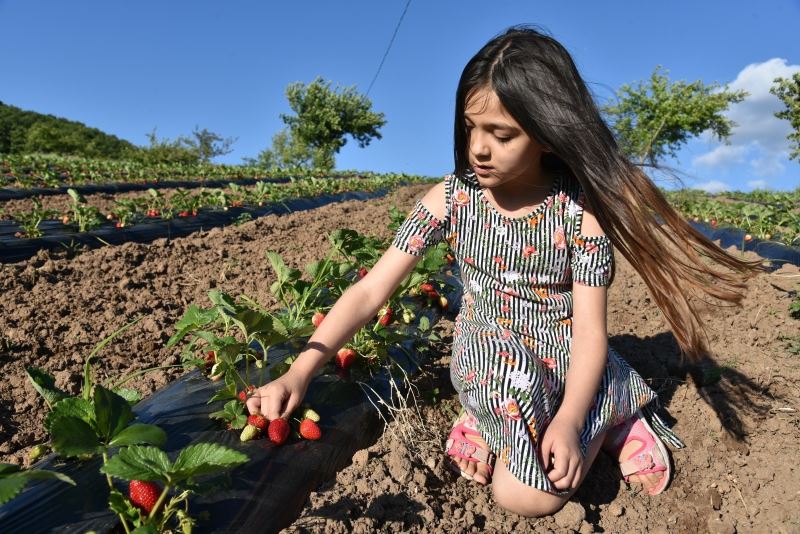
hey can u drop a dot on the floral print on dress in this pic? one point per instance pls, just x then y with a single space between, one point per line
420 231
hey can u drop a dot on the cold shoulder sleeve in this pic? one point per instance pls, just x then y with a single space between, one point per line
592 257
592 260
420 231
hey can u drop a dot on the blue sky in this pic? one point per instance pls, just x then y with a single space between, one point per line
129 67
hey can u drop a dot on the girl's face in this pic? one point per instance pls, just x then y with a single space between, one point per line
500 151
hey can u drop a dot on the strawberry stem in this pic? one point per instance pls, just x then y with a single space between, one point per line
111 487
135 374
159 502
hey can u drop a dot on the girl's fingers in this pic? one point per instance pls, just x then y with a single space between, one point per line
253 404
274 403
545 451
291 404
560 466
577 478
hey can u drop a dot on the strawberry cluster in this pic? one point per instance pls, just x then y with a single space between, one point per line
278 430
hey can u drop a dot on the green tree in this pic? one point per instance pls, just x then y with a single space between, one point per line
178 150
788 91
209 145
324 116
653 120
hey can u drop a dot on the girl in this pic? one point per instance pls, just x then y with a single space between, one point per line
540 197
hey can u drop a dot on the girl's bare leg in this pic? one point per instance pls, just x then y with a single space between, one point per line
524 500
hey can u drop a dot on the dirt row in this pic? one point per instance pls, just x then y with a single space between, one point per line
104 202
738 413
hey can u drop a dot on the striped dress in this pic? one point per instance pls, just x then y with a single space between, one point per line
512 336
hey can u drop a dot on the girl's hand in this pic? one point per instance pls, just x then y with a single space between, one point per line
561 453
280 397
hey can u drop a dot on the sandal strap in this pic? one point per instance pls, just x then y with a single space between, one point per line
641 464
467 450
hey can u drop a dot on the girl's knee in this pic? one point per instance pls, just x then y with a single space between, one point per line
529 502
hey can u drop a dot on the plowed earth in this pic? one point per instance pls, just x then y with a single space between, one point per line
737 413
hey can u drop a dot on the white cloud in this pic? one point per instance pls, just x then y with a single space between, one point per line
713 186
757 184
722 155
758 134
769 165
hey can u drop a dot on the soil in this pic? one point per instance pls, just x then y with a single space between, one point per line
737 413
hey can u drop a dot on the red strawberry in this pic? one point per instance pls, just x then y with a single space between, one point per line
246 392
385 316
278 431
309 429
143 494
317 319
426 288
345 358
362 272
183 213
258 421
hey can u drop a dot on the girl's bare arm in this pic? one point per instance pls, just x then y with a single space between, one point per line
357 305
587 363
589 342
361 301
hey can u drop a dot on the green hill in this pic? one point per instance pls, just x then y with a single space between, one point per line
28 132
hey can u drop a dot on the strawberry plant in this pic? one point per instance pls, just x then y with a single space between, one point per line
154 203
101 420
125 210
260 193
152 504
82 215
30 220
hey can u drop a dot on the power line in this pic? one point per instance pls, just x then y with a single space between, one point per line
388 47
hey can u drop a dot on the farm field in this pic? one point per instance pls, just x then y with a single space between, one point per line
738 415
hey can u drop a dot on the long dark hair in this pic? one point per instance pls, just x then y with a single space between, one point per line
537 82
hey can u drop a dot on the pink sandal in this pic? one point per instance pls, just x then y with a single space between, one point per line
651 456
459 446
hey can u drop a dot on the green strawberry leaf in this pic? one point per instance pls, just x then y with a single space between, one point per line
130 395
71 407
10 487
252 321
71 436
139 433
120 505
313 269
77 198
138 462
205 458
13 479
222 300
112 412
278 266
424 323
194 317
7 469
45 385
